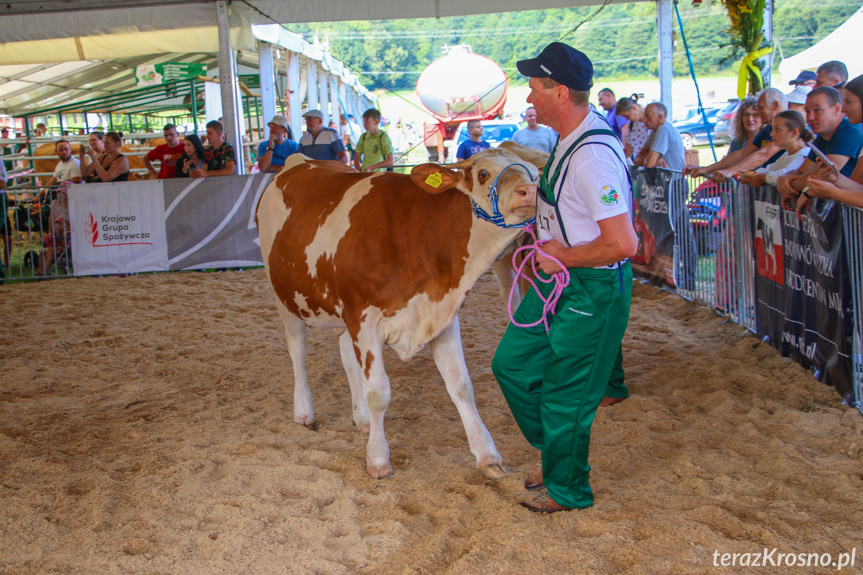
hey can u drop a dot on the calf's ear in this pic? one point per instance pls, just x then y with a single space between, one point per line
535 157
434 178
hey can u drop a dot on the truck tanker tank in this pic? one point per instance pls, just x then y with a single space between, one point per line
461 86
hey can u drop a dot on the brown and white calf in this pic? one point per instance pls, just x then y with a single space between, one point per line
389 258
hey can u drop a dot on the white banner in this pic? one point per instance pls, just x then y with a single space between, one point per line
118 228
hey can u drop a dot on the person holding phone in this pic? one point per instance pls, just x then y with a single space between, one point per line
827 184
273 151
192 158
791 135
96 142
837 138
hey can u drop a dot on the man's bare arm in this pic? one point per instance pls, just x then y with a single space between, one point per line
753 161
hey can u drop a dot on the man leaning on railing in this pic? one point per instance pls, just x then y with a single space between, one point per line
837 138
825 183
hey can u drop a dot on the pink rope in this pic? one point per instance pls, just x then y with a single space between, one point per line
560 279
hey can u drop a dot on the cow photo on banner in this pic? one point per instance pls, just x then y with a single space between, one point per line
802 287
654 260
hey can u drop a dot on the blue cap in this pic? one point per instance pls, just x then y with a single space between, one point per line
563 64
804 76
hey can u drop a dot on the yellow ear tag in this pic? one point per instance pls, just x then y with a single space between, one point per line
435 180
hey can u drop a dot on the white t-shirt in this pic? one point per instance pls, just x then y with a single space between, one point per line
596 186
67 170
786 163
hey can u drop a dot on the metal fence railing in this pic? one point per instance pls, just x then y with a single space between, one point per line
715 264
33 245
714 255
853 230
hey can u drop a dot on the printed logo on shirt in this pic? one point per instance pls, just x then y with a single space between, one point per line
608 196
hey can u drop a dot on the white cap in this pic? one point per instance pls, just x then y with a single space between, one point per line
314 114
798 94
279 121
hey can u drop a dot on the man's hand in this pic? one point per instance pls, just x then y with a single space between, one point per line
553 248
783 184
826 173
720 176
753 179
693 170
198 173
802 202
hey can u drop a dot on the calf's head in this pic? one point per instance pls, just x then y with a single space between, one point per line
498 182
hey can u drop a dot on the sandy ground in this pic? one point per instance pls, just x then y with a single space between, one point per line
146 428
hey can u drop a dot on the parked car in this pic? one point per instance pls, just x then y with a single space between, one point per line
694 133
495 132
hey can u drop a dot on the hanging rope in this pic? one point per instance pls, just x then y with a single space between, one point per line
692 73
560 279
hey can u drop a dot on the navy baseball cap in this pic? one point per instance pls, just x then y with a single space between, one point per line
804 76
563 64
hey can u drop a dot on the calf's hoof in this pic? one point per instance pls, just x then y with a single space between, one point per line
380 471
307 420
493 471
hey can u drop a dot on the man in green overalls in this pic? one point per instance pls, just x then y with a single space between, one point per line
555 381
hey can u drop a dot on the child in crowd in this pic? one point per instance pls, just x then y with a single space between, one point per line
58 238
790 134
374 148
475 144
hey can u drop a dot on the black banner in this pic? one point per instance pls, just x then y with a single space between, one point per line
802 287
654 260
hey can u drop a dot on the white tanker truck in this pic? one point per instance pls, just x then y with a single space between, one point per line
458 87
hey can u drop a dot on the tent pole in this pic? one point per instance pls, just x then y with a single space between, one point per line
231 108
292 94
267 74
666 50
312 84
768 38
194 103
324 95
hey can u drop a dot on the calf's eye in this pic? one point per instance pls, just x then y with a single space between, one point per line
483 174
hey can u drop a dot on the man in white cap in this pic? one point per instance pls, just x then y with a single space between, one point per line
797 98
321 143
554 381
273 152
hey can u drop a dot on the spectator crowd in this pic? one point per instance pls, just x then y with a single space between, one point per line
806 142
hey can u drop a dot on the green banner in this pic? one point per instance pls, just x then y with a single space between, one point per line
252 81
155 74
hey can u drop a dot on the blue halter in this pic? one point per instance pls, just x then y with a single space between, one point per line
495 217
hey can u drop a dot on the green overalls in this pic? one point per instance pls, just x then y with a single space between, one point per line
554 382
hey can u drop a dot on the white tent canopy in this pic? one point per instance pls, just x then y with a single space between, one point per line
845 44
41 31
30 20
